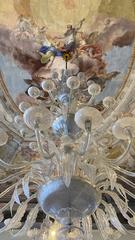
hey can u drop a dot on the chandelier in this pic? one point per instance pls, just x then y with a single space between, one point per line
76 182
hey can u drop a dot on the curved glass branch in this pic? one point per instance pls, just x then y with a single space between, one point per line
5 207
7 190
13 176
131 184
41 151
52 98
131 211
97 223
91 101
86 144
121 159
11 166
130 174
130 194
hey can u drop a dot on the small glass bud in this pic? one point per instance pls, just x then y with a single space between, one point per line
94 89
23 106
34 92
48 85
73 82
108 102
33 146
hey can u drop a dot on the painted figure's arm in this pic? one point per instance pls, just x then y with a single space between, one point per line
80 24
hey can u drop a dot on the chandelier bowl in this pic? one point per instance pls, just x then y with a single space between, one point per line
63 203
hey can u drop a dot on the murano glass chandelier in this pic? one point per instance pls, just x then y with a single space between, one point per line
76 182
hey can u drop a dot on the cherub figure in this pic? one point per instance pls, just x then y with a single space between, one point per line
23 28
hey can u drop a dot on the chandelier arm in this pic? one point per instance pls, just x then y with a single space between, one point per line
5 207
131 184
117 141
118 201
96 221
12 166
30 220
7 95
131 211
12 176
91 100
37 182
130 194
41 151
18 137
86 144
8 204
7 190
19 214
100 185
121 159
123 171
99 175
124 214
40 175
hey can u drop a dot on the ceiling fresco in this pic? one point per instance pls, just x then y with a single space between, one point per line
33 41
108 29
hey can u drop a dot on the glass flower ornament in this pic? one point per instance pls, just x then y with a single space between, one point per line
38 115
88 114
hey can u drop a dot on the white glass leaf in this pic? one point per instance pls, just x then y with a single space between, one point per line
87 227
130 174
7 221
25 186
103 223
116 235
123 206
17 218
12 201
112 176
130 193
89 171
131 221
16 196
121 191
131 184
113 218
31 218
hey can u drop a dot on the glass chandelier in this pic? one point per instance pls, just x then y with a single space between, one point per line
76 182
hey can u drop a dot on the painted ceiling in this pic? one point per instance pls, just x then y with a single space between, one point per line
105 42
